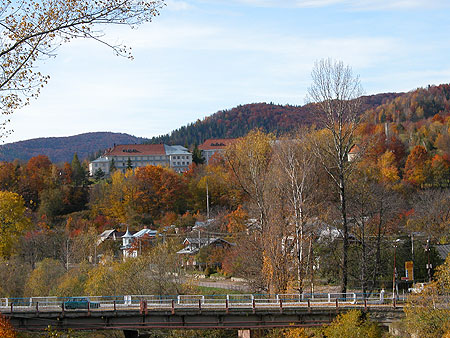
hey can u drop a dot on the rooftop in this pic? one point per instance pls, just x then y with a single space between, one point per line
216 143
137 149
176 150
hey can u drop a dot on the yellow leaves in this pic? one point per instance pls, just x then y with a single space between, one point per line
268 268
295 333
42 279
13 221
353 324
388 169
249 158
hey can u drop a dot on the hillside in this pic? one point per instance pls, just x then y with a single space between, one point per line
61 149
240 120
406 109
419 104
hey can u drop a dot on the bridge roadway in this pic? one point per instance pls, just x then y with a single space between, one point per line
196 312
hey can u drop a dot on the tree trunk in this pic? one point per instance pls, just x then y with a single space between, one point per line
345 244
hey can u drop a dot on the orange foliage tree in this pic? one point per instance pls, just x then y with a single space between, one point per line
6 329
440 167
160 190
417 166
35 179
236 220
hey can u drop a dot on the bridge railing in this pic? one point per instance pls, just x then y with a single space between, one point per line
348 297
208 301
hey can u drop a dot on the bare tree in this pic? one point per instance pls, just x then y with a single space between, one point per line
372 209
431 213
295 175
336 92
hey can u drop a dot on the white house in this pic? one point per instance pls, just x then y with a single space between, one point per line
131 242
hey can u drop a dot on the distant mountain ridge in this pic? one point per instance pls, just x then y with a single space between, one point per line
237 122
61 149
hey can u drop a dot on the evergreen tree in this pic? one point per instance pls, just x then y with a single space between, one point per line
112 167
129 164
99 174
197 156
78 172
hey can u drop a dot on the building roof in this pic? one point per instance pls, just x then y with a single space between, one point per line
145 232
354 150
107 233
176 150
137 149
202 240
192 244
216 143
127 234
101 160
443 250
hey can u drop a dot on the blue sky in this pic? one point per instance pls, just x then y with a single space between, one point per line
201 56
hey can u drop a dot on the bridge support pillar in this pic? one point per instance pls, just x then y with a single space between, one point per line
247 333
134 334
131 334
244 334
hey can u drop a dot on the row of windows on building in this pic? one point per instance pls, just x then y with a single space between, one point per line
180 163
140 158
150 158
141 164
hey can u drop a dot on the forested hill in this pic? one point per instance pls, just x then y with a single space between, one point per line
61 149
414 106
406 109
239 121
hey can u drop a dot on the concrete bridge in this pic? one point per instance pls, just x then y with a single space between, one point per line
243 312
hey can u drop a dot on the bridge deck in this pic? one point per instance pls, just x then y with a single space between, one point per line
196 312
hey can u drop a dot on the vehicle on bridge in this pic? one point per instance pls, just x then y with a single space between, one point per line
80 303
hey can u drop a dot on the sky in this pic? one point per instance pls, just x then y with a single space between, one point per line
202 56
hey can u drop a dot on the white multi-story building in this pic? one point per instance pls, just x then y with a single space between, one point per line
140 155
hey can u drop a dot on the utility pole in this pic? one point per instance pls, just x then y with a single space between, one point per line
429 266
67 254
412 253
207 200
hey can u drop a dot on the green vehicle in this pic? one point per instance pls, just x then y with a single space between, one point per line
80 303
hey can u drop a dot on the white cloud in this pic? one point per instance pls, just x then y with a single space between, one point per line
349 4
359 51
